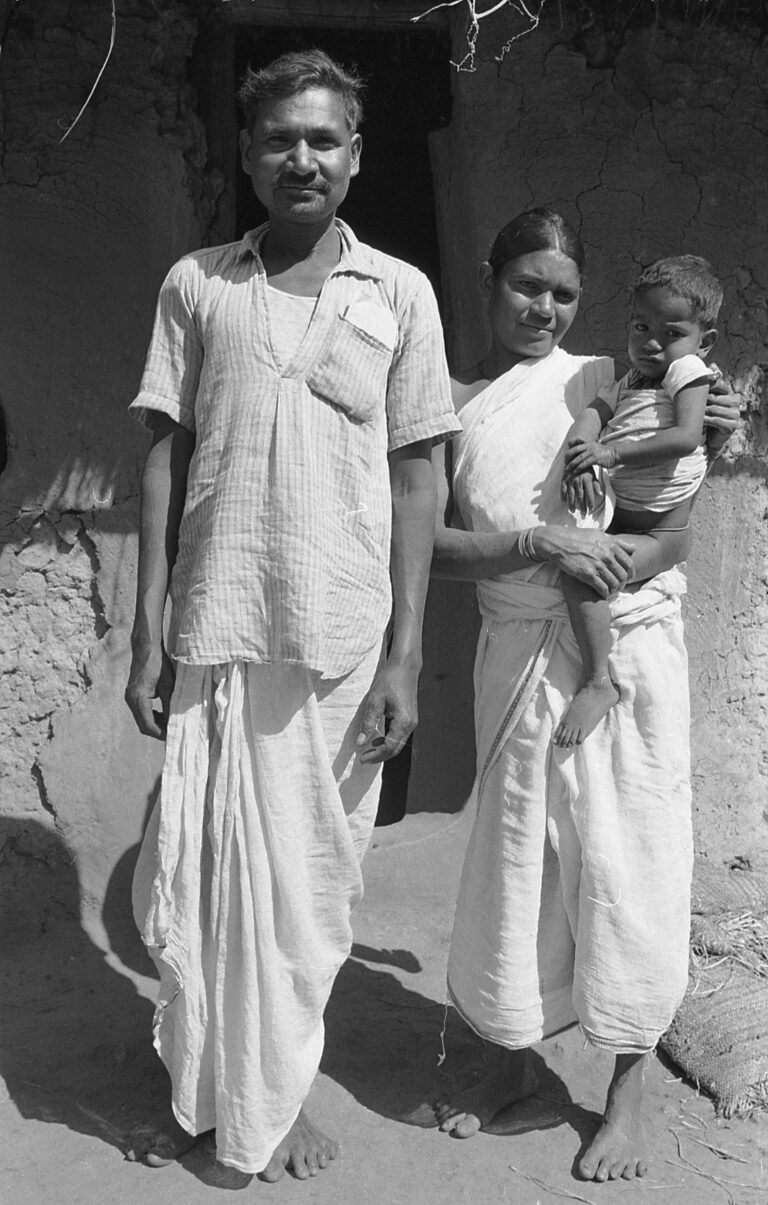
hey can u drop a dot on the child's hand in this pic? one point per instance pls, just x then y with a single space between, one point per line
582 493
582 454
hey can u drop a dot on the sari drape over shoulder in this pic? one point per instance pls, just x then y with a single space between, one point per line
574 900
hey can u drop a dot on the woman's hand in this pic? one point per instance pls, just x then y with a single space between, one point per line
724 407
722 416
601 561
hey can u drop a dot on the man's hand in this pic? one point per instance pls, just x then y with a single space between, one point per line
152 677
389 714
582 454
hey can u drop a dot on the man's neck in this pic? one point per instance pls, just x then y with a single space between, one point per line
313 250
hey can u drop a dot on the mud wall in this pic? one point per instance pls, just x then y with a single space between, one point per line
90 226
652 140
663 149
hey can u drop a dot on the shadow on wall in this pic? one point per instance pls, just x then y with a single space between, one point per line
76 1035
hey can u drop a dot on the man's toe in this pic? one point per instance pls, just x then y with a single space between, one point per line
274 1171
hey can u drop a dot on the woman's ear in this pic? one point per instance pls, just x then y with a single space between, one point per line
485 276
708 341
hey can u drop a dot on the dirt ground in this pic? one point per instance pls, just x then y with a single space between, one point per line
80 1073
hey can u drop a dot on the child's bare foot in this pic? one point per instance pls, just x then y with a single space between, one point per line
511 1078
618 1148
160 1143
588 706
304 1152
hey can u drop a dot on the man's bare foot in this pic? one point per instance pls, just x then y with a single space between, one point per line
304 1152
159 1144
588 706
511 1078
618 1148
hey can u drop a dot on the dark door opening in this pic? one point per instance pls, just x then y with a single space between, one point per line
391 203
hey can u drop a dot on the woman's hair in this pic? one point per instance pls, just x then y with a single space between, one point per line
689 277
535 230
296 72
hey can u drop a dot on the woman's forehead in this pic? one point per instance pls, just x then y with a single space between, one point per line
545 264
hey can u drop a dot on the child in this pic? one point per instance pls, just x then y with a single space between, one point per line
647 431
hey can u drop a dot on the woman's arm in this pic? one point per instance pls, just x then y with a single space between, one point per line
601 561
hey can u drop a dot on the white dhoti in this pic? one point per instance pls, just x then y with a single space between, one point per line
244 887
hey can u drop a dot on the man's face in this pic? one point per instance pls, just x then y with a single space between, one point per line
300 155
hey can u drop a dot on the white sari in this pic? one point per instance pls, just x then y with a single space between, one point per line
574 900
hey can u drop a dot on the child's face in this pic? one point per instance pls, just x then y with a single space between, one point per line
662 329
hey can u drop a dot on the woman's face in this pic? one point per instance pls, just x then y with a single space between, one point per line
531 303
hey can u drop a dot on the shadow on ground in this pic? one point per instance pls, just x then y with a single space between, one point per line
76 1035
385 1044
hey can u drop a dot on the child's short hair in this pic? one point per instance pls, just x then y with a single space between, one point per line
689 277
296 72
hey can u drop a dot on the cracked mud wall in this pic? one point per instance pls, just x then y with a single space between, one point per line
90 228
662 149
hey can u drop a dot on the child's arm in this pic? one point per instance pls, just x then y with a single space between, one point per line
590 423
670 444
583 491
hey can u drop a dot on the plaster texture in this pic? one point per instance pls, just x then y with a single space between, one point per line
657 146
653 140
90 227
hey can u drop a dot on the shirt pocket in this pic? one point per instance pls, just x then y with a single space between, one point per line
351 371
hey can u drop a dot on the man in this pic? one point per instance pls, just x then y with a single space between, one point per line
294 387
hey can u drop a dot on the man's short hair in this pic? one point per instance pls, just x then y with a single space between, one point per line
689 277
296 72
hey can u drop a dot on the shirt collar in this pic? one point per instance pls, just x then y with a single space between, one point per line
356 258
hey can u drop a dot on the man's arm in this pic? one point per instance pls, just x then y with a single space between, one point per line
163 491
392 701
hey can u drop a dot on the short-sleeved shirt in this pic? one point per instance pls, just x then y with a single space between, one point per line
284 540
641 408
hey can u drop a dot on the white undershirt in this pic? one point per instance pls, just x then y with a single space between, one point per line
289 319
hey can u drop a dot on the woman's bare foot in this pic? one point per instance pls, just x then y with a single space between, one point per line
159 1144
304 1152
618 1148
588 706
511 1078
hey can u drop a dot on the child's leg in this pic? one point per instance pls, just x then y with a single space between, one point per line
656 551
591 622
655 548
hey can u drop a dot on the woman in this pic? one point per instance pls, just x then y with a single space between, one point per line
574 899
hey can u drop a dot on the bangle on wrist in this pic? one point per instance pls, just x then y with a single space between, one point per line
525 545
